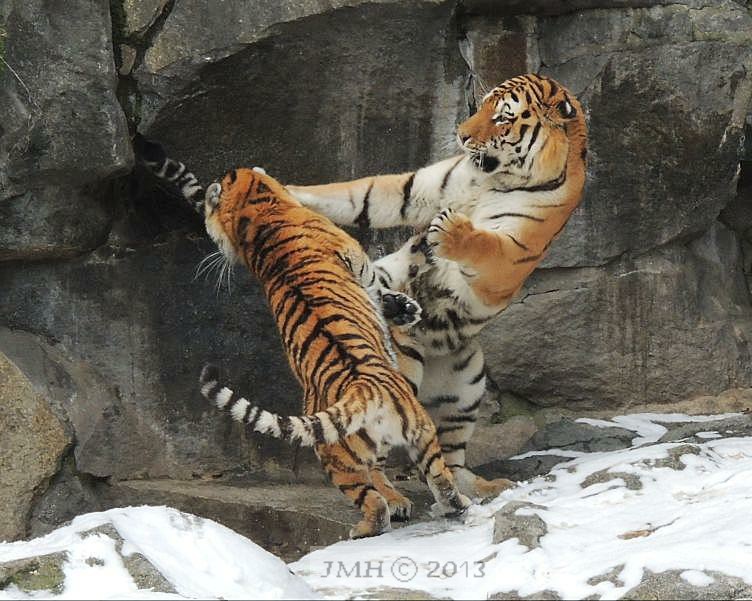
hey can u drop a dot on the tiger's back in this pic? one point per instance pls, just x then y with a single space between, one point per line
330 329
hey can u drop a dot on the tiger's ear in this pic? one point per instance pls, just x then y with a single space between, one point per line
566 109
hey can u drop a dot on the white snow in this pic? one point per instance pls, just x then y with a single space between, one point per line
693 520
200 558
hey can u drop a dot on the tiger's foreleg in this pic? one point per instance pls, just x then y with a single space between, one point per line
452 389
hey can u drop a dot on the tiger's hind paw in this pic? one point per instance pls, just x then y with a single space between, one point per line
399 309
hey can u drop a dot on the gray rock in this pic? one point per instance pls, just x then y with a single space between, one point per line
661 327
62 125
670 585
133 330
52 223
143 572
570 435
688 432
32 443
43 573
287 520
631 481
139 15
325 94
527 529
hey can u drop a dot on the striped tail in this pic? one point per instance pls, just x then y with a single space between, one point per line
153 156
329 426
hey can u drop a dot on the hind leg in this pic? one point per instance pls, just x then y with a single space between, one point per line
452 389
424 449
400 507
348 466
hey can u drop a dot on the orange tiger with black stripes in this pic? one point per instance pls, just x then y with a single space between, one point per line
491 214
327 303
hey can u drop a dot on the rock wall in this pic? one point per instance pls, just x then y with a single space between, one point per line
643 299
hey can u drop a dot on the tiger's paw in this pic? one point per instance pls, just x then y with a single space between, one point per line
399 309
448 232
421 256
457 506
400 508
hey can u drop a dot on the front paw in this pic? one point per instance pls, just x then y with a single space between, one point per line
447 232
399 309
421 256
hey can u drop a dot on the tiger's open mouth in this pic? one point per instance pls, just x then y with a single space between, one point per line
484 162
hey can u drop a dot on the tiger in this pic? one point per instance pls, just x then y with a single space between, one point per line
327 302
491 214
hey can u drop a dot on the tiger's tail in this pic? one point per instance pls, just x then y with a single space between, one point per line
329 426
153 156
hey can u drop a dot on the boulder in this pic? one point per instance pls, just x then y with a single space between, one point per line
660 327
31 446
62 121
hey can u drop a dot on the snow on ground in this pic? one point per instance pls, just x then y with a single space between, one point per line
613 515
692 519
200 558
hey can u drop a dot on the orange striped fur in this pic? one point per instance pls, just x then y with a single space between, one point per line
357 404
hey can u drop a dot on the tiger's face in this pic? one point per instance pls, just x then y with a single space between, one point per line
233 208
522 118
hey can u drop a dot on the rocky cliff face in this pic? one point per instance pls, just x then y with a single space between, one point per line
643 299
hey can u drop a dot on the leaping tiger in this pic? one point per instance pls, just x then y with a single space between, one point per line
492 213
320 287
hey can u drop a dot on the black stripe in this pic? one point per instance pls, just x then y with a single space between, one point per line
337 421
445 181
234 398
479 377
527 259
444 429
550 185
252 423
318 429
463 364
362 495
448 448
212 394
459 418
471 408
247 413
521 215
344 487
408 352
430 461
363 220
406 189
533 137
517 242
366 439
403 417
441 400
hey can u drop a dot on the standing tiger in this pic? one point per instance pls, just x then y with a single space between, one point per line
492 213
324 295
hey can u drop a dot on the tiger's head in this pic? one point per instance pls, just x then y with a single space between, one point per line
235 206
524 130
